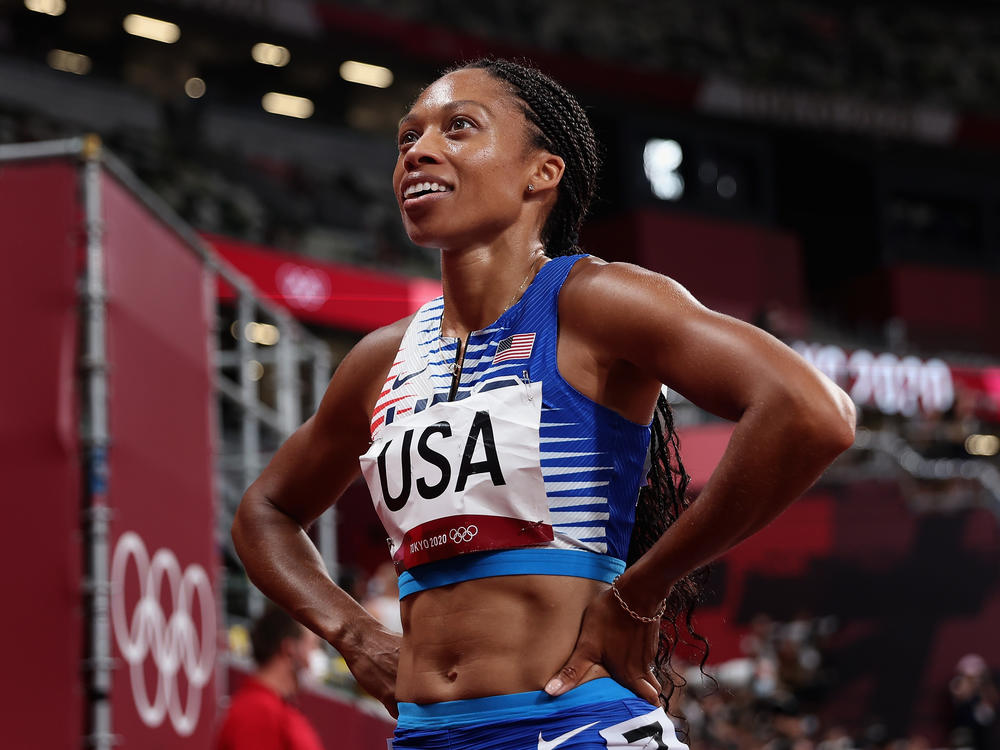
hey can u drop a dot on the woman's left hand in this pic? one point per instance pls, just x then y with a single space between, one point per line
612 638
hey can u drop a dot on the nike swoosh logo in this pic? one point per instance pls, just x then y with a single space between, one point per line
401 379
549 744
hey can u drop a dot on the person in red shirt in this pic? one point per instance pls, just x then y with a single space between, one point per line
260 716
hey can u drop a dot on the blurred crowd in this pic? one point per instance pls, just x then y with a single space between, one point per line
772 698
947 56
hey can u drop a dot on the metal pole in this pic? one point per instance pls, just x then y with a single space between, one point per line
71 147
328 521
320 373
222 533
96 440
249 424
289 395
250 427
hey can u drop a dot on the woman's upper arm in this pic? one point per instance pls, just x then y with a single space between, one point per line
720 363
320 459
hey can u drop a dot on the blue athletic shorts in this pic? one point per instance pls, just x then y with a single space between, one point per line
596 715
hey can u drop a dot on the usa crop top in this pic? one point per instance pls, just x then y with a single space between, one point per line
511 470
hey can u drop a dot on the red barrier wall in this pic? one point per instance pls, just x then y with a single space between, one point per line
163 595
336 295
948 309
40 555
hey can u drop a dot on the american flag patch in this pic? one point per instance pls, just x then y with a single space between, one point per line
514 347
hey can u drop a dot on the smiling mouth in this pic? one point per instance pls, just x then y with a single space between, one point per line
420 189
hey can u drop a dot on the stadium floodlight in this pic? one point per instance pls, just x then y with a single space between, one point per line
151 28
982 445
194 87
271 54
48 7
264 334
365 74
254 369
68 62
287 105
660 160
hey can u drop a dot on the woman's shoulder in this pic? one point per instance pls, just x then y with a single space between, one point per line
593 269
376 350
596 288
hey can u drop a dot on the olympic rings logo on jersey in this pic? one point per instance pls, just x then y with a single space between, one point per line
173 642
463 533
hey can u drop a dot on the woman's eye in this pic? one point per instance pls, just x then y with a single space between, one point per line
408 137
461 123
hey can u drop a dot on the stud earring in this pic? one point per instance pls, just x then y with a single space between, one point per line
531 188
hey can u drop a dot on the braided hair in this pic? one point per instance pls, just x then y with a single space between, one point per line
561 127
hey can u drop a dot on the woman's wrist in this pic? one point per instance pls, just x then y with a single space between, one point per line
340 621
641 599
660 609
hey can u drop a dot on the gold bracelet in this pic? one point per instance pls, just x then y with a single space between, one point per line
635 615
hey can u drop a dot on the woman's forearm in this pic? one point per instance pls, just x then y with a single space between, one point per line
284 564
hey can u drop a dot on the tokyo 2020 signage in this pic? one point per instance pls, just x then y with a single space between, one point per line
170 640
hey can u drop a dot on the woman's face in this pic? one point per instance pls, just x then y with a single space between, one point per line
467 136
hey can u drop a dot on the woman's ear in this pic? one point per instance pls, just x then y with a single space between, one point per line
547 173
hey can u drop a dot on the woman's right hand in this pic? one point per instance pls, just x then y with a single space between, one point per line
373 658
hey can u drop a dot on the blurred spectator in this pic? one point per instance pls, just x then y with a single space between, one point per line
836 738
763 701
974 701
382 597
261 715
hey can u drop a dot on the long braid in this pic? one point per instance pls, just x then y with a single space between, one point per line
562 127
661 502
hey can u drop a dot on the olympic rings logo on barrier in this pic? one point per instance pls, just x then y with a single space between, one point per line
172 642
302 286
463 533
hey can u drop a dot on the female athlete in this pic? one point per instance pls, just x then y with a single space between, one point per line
504 432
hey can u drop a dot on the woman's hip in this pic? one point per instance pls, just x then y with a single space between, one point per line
596 715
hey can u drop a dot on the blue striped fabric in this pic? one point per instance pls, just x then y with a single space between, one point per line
592 458
510 562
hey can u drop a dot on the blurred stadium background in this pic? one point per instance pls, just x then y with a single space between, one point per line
196 224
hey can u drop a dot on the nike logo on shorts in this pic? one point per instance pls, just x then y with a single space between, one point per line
401 379
549 744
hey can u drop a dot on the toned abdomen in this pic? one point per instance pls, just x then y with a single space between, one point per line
491 636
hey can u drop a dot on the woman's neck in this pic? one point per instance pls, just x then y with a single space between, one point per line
482 283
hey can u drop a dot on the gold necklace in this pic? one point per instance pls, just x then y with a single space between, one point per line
523 283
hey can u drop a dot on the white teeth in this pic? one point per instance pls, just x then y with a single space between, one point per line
423 187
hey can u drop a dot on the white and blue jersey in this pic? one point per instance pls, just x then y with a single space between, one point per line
506 468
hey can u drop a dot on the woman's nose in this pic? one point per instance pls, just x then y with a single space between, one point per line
426 150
